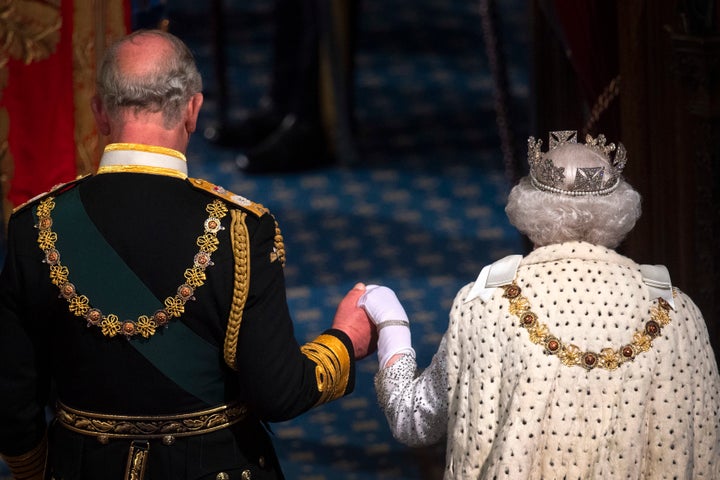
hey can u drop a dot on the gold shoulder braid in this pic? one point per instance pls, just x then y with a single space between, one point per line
609 358
145 325
278 252
241 284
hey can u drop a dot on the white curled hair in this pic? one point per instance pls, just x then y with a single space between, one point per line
166 88
547 218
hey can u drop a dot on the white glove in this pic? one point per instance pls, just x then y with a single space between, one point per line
386 312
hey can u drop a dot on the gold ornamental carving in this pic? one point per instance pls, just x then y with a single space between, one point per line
29 30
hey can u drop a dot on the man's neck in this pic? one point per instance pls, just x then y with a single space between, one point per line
148 130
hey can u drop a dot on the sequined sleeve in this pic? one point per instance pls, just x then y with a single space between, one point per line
415 403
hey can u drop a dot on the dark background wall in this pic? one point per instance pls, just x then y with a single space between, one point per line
647 73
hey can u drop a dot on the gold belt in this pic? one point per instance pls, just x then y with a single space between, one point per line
144 427
141 428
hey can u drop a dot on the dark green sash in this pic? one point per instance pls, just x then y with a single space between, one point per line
100 274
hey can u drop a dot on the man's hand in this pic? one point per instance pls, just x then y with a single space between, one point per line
353 320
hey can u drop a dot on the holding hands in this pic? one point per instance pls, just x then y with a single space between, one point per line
373 318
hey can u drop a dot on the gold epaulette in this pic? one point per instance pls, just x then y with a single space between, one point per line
233 198
61 187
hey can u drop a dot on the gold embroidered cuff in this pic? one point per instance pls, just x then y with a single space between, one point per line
30 465
332 371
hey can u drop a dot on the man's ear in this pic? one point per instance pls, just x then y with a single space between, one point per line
101 118
193 110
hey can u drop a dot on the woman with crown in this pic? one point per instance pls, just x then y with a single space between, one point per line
572 362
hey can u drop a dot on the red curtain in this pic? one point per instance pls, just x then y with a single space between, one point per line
39 101
47 101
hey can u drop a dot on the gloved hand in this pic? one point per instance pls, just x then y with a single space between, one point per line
386 312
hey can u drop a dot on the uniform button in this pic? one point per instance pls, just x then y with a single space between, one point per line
168 439
246 475
261 462
222 476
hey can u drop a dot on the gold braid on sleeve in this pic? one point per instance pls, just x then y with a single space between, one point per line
30 465
332 371
241 251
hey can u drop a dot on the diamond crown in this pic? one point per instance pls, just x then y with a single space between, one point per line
595 172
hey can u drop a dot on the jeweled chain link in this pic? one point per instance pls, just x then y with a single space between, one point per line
571 355
145 325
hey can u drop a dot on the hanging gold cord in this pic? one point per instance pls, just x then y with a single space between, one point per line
241 251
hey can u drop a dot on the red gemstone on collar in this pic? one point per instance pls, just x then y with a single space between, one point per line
512 291
589 360
67 290
93 316
652 328
128 328
161 318
52 257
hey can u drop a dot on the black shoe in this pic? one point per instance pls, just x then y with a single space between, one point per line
294 146
248 132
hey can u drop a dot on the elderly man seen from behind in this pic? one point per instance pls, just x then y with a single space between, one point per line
147 308
572 362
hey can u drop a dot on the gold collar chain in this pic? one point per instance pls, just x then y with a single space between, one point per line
571 355
145 325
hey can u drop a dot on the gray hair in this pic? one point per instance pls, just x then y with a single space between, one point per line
165 88
548 218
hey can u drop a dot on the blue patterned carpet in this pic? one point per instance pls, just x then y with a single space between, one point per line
422 212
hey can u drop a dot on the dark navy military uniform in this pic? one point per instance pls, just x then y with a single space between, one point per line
125 244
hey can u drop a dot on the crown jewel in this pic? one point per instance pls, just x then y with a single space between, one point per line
595 178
